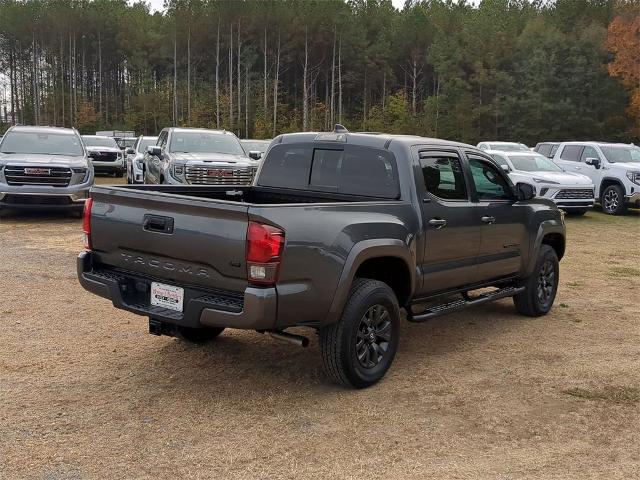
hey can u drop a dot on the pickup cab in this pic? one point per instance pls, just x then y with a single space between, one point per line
339 233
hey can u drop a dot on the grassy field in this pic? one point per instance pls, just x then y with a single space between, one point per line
87 393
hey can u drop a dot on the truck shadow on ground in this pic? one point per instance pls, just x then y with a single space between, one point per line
259 366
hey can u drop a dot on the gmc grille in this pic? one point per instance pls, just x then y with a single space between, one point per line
105 156
575 194
37 175
218 176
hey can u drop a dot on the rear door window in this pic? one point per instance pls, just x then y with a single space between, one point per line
442 174
348 170
544 149
571 153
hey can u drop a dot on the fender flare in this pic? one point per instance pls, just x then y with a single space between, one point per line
546 227
362 251
611 180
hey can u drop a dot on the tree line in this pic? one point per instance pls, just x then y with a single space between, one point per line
526 70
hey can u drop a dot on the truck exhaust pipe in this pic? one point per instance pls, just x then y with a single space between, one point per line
299 340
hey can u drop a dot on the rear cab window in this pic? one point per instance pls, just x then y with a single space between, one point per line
344 169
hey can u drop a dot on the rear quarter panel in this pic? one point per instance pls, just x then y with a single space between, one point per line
319 239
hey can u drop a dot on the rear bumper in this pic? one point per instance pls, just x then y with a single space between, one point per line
255 309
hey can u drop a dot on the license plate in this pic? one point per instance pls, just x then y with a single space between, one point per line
167 296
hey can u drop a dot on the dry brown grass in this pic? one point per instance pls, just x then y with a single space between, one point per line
86 393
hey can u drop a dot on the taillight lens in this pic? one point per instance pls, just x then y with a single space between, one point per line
264 249
86 223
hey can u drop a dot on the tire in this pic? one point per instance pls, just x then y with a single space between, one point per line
198 335
347 346
545 276
576 213
612 200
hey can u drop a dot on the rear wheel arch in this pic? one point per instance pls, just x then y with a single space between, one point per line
391 270
362 260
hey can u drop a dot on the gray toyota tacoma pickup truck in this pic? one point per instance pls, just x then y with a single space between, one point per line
338 233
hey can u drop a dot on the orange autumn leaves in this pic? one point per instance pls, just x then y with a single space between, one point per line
623 40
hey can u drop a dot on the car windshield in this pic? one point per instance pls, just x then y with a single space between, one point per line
621 153
533 163
508 147
41 143
255 145
99 142
145 142
500 159
126 142
205 142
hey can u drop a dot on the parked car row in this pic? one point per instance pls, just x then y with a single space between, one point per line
575 175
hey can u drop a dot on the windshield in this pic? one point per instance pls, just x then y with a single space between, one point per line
500 159
621 154
100 142
205 142
41 143
145 142
533 163
126 142
508 147
255 146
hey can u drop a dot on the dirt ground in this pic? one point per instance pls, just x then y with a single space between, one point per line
85 392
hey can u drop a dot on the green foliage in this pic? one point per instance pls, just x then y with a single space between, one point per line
502 69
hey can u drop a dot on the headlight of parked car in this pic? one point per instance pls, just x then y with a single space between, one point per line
541 180
634 177
178 170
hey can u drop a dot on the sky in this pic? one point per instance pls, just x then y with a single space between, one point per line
158 4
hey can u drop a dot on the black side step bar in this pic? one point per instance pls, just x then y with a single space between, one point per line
465 302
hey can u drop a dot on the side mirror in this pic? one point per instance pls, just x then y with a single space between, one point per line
255 154
595 162
525 191
505 168
154 150
129 151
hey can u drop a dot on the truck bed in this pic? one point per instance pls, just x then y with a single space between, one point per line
242 194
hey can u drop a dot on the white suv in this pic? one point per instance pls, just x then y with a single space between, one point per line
570 191
614 169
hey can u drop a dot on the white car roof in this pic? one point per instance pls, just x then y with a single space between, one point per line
602 144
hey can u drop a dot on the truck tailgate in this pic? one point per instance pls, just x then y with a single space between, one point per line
170 237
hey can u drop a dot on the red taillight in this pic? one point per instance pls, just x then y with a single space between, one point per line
86 223
264 248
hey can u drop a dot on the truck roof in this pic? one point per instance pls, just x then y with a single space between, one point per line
375 140
36 129
588 142
203 130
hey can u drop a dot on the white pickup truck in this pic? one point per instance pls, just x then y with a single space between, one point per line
614 169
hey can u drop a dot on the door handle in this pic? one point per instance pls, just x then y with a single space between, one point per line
578 168
157 224
438 222
488 220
